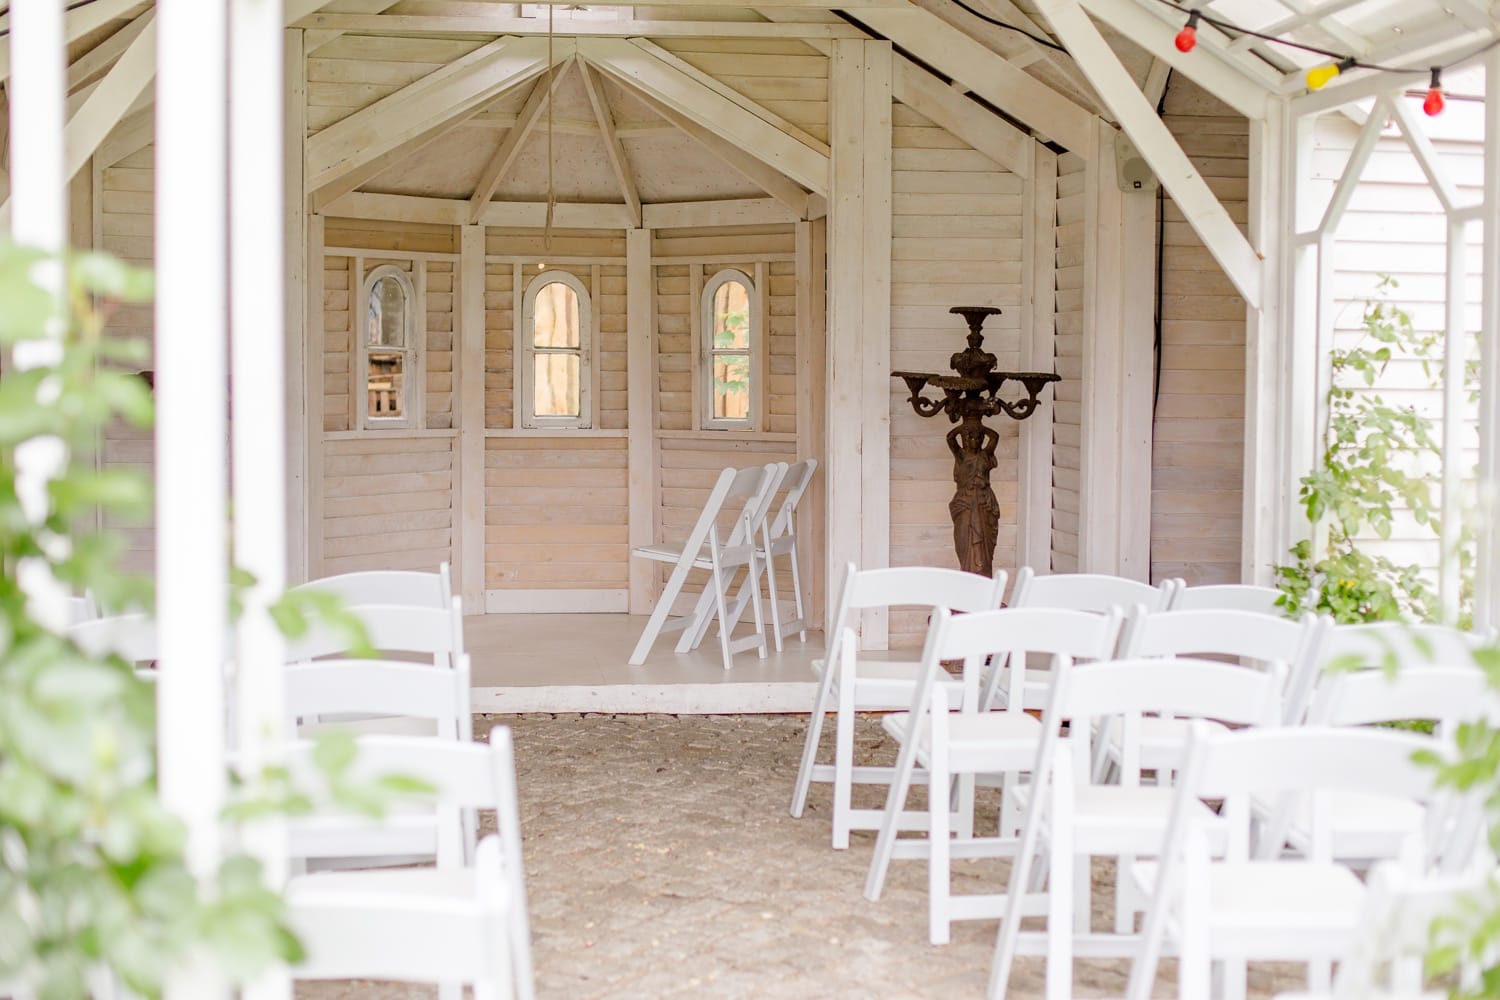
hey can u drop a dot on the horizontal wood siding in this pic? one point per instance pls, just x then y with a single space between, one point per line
556 514
1067 410
784 76
437 293
938 180
126 228
339 292
1198 447
387 503
501 312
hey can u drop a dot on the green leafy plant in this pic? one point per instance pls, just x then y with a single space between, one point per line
1370 468
93 881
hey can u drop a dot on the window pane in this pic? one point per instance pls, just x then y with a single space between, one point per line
556 316
731 315
386 324
556 385
384 384
731 386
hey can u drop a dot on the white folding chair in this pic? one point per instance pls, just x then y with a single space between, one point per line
450 925
435 631
779 538
1098 593
971 741
1069 819
1226 597
388 586
1238 909
82 609
850 683
131 637
753 521
704 549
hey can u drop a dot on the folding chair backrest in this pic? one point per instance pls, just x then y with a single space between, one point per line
409 587
1096 592
130 637
1444 695
758 485
382 688
915 586
1186 688
1399 646
1226 597
795 481
1243 634
392 629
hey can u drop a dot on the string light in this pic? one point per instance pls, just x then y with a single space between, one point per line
1318 76
1434 102
1187 38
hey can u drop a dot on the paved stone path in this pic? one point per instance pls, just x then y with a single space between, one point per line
662 862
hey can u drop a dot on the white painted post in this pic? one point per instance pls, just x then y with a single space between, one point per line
640 374
1487 598
1455 356
259 399
191 336
39 219
298 261
1038 353
471 443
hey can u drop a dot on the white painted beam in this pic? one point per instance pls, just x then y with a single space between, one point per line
640 374
78 22
619 163
983 129
716 214
1038 353
499 164
1487 597
1171 165
670 85
131 74
938 44
424 105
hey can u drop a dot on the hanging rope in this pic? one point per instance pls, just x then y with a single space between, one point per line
551 83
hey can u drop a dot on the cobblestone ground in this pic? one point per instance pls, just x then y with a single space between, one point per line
661 862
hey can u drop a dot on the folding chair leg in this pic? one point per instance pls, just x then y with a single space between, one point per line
718 584
450 991
760 620
659 613
702 618
1234 985
1062 918
771 592
797 593
1124 904
895 805
814 737
843 753
939 875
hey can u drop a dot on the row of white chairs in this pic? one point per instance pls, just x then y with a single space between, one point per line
754 542
1128 711
458 919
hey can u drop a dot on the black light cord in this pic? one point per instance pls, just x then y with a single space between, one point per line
988 19
1161 238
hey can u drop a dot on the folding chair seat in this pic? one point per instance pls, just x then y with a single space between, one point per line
704 549
387 586
453 924
779 538
1226 597
1068 819
1240 909
850 681
972 741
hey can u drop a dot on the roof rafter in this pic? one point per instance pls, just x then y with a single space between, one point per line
564 24
985 131
80 21
613 149
495 170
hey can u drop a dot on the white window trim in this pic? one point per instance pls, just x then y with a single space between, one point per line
706 352
528 352
414 376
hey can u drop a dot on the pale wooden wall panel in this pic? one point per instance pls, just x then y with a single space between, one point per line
1067 410
355 71
388 503
784 76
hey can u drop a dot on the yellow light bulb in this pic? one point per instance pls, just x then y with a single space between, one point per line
1318 76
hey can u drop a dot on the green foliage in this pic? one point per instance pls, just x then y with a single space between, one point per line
93 879
735 376
1369 469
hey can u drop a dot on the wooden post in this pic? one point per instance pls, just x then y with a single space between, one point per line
191 493
640 368
1487 599
859 318
471 450
1137 375
312 368
1038 353
811 306
294 130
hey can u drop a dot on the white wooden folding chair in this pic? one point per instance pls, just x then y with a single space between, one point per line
850 683
779 538
704 549
388 586
452 924
754 519
1226 597
1069 819
1241 909
82 609
131 637
972 741
435 631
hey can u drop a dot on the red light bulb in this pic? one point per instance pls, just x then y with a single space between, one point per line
1187 38
1434 102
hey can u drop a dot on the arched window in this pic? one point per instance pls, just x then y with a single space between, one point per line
554 355
727 366
389 354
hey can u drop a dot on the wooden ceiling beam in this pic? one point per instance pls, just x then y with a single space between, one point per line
80 21
612 147
130 76
499 165
451 93
334 24
978 126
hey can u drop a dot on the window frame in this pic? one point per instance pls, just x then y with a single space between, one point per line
528 351
707 352
413 375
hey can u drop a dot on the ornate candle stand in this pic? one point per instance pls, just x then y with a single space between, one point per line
968 398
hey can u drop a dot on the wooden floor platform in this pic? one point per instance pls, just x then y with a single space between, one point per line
577 663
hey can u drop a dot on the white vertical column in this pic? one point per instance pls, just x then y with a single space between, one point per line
1455 357
640 374
1038 353
39 218
191 348
298 264
471 451
1487 603
859 318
